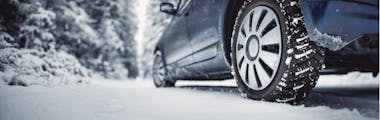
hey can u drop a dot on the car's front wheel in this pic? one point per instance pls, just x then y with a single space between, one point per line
159 72
273 58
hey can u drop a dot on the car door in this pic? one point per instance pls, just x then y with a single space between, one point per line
175 41
203 21
203 27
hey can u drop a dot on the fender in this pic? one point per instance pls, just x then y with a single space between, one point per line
336 23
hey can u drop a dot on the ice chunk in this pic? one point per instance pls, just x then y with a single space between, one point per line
334 43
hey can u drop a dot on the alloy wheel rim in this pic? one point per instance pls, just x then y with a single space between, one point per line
258 47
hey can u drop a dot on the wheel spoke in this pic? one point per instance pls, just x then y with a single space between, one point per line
243 69
262 74
267 69
272 37
161 74
251 76
273 48
258 82
265 22
243 32
251 20
160 66
240 46
241 62
269 27
256 17
246 26
247 74
240 55
241 39
271 59
161 71
261 18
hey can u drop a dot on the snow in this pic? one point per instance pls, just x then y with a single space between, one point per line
350 80
288 60
293 3
31 67
334 43
296 20
189 100
42 15
298 56
302 71
298 87
5 38
286 100
302 39
290 51
302 46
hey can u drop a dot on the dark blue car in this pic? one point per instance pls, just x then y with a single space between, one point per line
275 49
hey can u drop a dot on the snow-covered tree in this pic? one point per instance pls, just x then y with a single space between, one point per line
26 24
99 33
115 21
36 29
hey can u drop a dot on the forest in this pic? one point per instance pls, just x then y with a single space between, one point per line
50 42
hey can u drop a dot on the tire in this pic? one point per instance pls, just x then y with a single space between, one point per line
159 72
289 73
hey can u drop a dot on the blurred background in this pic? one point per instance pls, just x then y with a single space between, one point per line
69 41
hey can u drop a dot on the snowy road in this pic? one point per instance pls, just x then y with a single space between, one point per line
139 100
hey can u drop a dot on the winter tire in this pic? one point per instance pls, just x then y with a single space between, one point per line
273 58
159 72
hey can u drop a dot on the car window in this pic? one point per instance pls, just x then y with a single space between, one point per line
183 4
177 3
180 5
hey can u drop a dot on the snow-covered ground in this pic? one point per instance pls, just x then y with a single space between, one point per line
348 97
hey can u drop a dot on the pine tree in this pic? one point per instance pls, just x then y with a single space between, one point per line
99 33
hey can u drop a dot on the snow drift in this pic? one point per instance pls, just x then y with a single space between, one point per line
31 67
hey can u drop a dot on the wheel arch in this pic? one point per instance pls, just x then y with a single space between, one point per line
230 15
156 49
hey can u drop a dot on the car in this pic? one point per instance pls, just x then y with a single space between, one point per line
274 49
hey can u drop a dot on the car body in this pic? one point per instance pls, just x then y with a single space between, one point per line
355 22
274 49
195 44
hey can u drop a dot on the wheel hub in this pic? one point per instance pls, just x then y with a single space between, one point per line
252 48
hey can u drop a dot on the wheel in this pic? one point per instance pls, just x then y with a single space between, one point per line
273 58
159 72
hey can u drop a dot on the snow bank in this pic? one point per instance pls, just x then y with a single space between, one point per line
30 67
350 80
